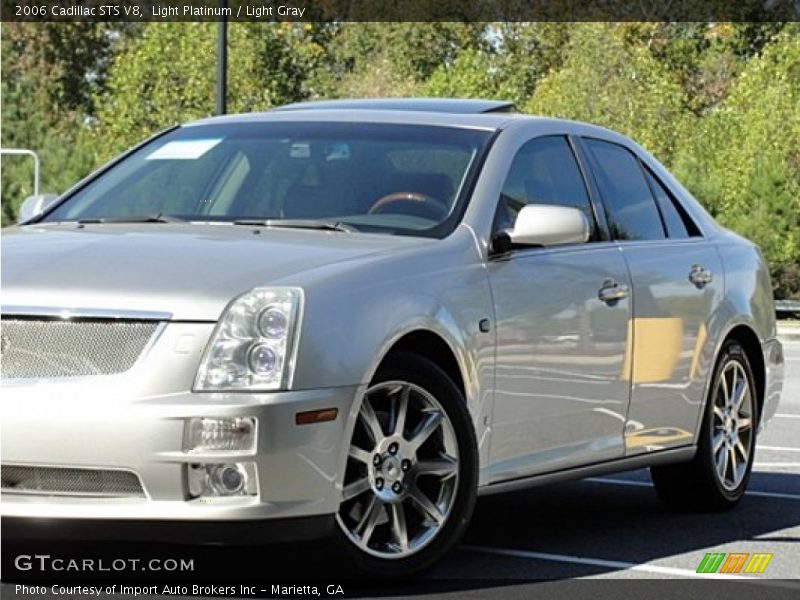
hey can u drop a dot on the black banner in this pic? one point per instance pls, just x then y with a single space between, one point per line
474 589
401 10
68 570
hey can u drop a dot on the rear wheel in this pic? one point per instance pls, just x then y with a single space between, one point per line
411 477
716 478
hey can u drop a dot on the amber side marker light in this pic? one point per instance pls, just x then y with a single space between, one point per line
316 416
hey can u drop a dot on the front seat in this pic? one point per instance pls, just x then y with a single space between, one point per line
330 196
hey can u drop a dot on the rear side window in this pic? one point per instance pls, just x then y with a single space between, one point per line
677 222
632 211
544 171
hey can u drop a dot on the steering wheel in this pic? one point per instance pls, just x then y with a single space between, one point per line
419 204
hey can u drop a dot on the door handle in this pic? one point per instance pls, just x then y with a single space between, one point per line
700 276
612 291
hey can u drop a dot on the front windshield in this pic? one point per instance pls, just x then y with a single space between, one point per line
372 177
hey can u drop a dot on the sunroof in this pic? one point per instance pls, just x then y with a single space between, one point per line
445 105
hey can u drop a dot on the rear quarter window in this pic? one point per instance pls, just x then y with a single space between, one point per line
678 223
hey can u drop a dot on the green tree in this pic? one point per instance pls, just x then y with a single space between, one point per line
391 59
607 80
705 58
517 56
168 76
51 73
473 74
743 161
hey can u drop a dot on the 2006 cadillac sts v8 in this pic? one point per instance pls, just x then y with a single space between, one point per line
353 317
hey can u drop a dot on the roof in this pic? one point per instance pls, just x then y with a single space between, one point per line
427 111
486 121
444 105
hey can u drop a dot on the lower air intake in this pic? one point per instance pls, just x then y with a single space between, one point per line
56 481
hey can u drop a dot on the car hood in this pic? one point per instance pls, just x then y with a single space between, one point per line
190 271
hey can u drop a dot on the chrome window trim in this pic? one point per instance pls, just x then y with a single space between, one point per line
666 241
524 252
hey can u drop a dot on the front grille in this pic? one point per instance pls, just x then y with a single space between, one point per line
33 348
56 481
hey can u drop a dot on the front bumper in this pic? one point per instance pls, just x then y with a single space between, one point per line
87 425
296 529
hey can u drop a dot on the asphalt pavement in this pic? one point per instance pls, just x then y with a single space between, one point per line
615 527
607 527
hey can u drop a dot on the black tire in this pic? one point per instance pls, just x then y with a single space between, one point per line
425 374
696 485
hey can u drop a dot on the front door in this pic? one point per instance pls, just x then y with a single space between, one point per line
561 390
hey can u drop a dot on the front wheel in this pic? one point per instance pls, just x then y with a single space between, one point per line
411 478
716 478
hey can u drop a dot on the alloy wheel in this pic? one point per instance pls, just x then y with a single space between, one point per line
402 471
732 430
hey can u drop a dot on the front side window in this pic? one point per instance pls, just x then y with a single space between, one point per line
373 177
544 171
631 209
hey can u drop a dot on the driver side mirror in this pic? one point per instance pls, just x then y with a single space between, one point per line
35 205
548 225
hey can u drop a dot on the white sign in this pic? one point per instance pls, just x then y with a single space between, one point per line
183 150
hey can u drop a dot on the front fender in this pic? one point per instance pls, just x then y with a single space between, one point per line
355 313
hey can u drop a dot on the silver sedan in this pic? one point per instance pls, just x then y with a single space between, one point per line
352 318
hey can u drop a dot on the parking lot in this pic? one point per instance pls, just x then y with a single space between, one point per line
614 526
607 527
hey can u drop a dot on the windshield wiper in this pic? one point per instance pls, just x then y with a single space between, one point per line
158 218
298 224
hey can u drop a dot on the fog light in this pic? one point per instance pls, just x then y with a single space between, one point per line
221 435
226 479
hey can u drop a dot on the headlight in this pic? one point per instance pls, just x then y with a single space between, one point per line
252 347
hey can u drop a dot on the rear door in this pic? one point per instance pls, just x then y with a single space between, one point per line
677 283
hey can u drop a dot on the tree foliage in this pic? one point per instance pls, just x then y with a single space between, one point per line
610 82
390 59
743 162
508 66
48 91
168 75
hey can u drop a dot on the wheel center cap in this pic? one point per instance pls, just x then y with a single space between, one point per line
391 468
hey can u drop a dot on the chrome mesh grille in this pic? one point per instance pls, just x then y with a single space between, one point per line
59 481
33 348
